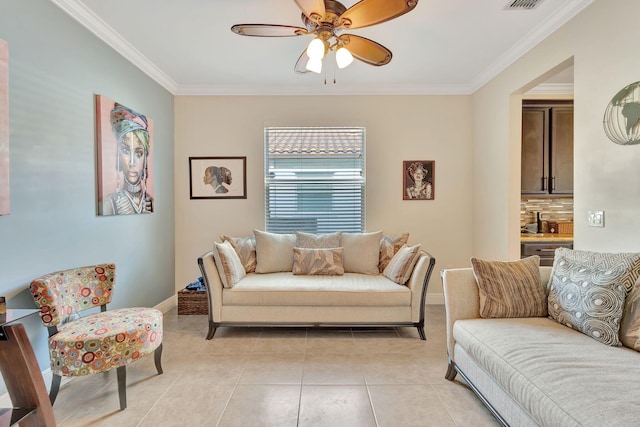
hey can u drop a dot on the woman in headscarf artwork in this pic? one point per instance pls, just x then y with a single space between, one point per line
125 158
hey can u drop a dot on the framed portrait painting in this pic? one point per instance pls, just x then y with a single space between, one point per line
418 179
217 177
125 159
4 128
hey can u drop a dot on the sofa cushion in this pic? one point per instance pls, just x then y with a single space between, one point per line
510 288
245 247
630 324
228 264
348 290
588 298
401 265
389 245
327 261
361 252
310 240
274 252
557 374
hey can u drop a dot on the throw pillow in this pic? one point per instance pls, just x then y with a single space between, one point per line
389 245
361 252
229 266
274 252
318 261
628 261
510 288
630 324
587 298
309 240
246 249
401 265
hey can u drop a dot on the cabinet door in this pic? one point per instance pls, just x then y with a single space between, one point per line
535 131
562 150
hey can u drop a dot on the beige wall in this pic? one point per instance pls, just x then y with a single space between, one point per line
398 128
601 42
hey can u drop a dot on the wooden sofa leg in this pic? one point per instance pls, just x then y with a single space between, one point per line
157 358
420 328
451 371
212 329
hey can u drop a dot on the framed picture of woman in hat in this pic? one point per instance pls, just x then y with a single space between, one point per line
125 159
418 180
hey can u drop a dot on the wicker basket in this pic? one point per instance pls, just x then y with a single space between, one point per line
565 227
192 302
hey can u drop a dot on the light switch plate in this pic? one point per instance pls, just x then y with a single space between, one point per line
596 218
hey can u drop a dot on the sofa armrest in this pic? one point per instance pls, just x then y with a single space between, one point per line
213 283
418 282
462 298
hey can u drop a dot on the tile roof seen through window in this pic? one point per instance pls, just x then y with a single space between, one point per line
315 141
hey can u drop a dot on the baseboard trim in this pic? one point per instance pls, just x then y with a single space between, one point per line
168 304
434 299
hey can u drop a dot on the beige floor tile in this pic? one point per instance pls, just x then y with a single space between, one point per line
463 405
335 406
332 368
269 368
393 368
282 377
262 405
197 402
408 406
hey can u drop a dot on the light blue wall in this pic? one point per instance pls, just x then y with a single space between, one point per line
56 67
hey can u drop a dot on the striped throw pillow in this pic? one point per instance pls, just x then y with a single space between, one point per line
401 265
510 288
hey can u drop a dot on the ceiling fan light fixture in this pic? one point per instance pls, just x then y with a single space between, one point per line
314 65
316 48
343 57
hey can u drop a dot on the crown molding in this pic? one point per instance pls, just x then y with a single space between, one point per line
529 41
81 13
320 90
85 16
552 89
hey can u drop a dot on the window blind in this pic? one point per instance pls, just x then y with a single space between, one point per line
314 179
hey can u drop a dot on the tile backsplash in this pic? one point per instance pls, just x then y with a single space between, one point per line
560 209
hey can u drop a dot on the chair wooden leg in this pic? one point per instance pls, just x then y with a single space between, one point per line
212 329
55 387
157 355
122 386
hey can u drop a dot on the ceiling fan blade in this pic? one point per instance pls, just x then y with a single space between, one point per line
366 50
371 12
268 30
313 9
301 65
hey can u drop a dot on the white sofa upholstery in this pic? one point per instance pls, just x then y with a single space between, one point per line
352 299
535 371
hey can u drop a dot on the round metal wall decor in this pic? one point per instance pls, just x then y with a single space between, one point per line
622 116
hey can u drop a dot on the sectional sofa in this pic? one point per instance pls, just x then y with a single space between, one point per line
301 279
565 363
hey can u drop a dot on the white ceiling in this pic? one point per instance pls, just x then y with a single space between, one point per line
442 46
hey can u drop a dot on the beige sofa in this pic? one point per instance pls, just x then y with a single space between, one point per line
536 371
285 299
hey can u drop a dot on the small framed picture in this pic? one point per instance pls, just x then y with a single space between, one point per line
418 179
217 177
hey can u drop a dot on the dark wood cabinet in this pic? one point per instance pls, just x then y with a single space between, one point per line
546 250
547 149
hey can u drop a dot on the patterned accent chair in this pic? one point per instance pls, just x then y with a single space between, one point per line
98 342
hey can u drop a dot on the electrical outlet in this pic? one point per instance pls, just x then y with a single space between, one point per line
596 218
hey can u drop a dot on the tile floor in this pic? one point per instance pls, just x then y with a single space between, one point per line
282 377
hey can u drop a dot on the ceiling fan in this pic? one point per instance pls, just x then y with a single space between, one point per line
326 19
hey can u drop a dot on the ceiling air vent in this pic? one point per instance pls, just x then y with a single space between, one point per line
522 4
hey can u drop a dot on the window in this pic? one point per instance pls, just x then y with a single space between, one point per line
314 179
